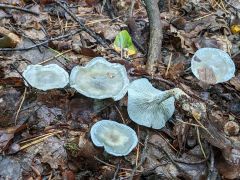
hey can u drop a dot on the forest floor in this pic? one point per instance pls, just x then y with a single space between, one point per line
46 134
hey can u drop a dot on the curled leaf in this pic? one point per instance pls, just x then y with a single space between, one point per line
123 41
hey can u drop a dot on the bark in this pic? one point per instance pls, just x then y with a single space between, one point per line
155 43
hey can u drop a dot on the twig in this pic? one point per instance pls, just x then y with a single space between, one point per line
131 8
202 126
119 112
41 43
170 83
98 38
16 69
213 173
200 143
36 140
52 58
110 9
143 156
20 105
6 6
156 36
110 165
116 172
137 156
191 124
169 64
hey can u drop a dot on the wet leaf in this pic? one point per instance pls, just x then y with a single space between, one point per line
8 39
235 28
123 41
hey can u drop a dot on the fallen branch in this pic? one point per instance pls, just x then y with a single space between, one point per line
155 44
98 38
6 6
41 43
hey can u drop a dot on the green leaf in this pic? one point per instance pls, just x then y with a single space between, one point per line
123 41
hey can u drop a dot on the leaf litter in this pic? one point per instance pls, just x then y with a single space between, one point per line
46 134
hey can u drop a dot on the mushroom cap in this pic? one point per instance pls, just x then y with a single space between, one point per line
117 139
148 106
100 79
46 77
212 65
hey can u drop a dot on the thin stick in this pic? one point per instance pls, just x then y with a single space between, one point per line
41 43
200 143
131 8
168 142
98 38
20 105
203 127
39 140
169 64
137 156
6 6
197 19
143 156
52 58
191 124
116 172
119 112
110 165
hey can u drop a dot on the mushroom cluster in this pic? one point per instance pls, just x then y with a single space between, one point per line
100 79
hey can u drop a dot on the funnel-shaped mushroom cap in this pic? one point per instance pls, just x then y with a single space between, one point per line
212 65
100 79
46 77
117 139
148 106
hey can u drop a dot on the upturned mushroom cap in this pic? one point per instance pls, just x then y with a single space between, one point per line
148 106
46 77
212 65
117 139
100 79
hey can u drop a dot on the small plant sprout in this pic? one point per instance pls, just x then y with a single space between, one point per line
148 106
117 139
46 77
212 65
100 79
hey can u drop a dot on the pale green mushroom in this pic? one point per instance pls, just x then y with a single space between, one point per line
100 79
117 139
46 77
148 106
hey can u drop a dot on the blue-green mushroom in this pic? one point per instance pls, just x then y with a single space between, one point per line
100 79
148 106
212 65
46 77
117 139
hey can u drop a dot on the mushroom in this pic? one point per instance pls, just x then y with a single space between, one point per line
46 77
100 79
117 139
148 106
212 65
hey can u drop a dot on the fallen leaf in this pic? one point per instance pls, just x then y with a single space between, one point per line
123 41
8 39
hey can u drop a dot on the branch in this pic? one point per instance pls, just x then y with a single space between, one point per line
98 38
155 44
6 6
